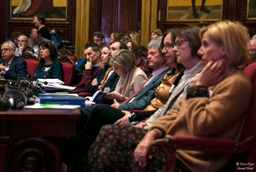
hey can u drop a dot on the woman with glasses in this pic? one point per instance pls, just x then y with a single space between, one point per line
49 66
213 106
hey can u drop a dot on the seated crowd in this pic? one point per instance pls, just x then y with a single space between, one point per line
186 82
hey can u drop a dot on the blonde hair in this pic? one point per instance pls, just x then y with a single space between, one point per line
233 37
125 59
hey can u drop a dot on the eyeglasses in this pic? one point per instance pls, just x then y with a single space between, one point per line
21 41
179 43
168 46
6 49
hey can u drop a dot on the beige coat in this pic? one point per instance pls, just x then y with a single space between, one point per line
221 115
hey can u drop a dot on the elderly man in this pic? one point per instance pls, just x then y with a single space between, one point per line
23 49
11 66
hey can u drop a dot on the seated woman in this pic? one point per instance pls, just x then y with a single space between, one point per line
141 59
49 66
213 106
132 78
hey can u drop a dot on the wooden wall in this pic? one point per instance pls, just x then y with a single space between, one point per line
114 15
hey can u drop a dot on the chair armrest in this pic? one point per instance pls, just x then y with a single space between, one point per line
169 145
207 144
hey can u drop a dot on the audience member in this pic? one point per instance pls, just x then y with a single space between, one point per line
11 66
209 102
252 49
34 41
49 66
14 36
93 71
133 47
125 39
131 78
135 36
114 36
39 21
141 60
98 38
23 49
156 34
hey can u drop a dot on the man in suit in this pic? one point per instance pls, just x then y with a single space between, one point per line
11 66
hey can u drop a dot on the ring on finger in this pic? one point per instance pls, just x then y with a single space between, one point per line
139 151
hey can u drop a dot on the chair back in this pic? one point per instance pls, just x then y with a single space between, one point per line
68 71
66 53
32 63
250 123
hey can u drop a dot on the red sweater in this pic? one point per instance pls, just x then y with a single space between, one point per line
89 75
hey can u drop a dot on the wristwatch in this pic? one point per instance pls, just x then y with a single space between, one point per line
132 116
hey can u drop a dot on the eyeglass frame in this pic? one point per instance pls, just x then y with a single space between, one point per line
21 40
179 43
172 45
6 49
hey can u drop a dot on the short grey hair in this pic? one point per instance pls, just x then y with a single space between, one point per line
10 43
154 43
125 59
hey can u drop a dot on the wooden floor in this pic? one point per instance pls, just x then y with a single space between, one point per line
185 13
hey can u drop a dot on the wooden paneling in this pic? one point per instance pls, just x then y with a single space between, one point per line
116 15
2 23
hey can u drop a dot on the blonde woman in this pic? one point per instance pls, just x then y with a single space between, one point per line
131 78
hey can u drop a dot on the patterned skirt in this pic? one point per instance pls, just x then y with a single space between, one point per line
113 150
